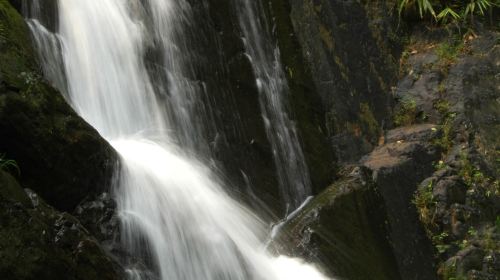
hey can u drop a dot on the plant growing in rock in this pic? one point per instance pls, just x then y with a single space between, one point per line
406 114
448 52
440 242
8 164
424 201
450 10
445 142
31 81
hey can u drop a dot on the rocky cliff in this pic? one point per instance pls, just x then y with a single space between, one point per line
399 124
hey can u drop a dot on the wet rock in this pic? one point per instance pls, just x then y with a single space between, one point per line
60 156
345 228
99 216
38 242
348 54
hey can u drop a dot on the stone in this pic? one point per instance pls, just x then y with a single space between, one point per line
39 242
60 156
345 229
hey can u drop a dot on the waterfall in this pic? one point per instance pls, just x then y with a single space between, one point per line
293 175
173 208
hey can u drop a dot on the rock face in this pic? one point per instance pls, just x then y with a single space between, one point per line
346 57
38 242
345 229
419 201
454 81
60 156
238 137
236 132
406 159
365 226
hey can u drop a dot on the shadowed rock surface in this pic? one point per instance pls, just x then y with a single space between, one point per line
405 172
38 242
39 129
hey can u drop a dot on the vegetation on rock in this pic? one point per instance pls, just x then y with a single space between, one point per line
8 164
30 108
449 10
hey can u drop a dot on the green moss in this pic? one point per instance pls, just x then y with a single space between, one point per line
406 113
445 142
449 51
39 242
347 224
424 201
441 243
31 109
476 180
16 53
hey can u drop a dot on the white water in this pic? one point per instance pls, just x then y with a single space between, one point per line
173 208
293 174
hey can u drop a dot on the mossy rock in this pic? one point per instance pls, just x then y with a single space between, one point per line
345 229
60 156
38 242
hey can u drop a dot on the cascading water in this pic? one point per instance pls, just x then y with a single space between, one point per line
295 184
173 208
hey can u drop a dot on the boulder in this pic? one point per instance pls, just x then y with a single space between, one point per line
345 229
39 242
60 156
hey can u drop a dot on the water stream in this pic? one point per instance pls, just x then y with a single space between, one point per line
293 175
173 207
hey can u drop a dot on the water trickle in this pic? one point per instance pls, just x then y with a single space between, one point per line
293 175
173 208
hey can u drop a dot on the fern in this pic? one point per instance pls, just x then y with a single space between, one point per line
8 164
424 6
477 6
446 13
451 10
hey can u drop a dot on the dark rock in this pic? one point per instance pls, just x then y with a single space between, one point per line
423 132
348 54
47 14
450 190
424 92
397 168
38 242
99 216
465 262
459 90
60 156
345 229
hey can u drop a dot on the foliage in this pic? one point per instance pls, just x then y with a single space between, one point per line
8 164
448 10
445 142
424 201
406 113
440 242
448 52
